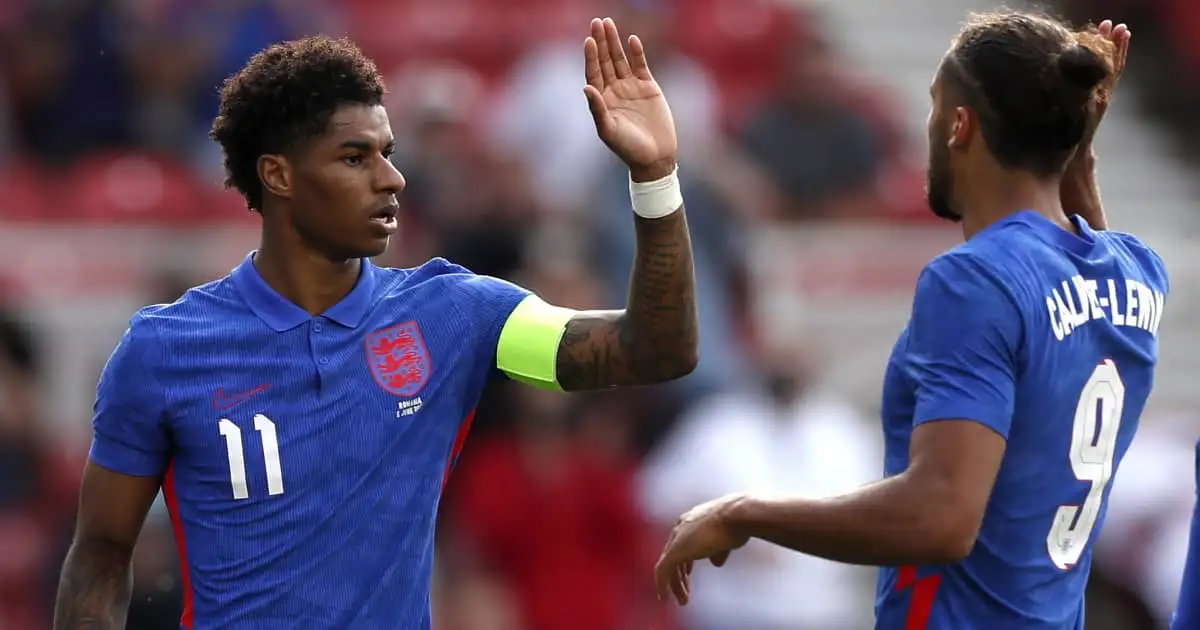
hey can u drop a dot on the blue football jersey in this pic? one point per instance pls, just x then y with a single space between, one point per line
304 457
1050 339
1187 615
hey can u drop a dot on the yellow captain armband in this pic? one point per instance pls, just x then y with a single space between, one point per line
528 346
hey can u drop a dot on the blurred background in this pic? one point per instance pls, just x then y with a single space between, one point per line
802 132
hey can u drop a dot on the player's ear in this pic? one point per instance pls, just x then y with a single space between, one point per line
275 173
962 128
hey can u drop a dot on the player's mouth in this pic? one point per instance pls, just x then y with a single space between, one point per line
385 218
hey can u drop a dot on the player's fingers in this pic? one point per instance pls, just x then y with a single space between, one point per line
637 59
1105 27
598 108
662 578
591 64
616 49
1124 55
679 585
607 71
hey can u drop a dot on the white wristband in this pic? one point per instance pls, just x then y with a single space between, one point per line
656 199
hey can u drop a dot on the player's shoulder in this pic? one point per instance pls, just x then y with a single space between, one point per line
968 268
213 303
1141 255
443 278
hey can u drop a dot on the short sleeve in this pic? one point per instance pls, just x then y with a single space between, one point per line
963 339
129 429
488 302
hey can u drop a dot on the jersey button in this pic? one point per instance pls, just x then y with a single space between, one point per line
317 327
324 361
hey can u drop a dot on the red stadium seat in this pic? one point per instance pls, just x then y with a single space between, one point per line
132 188
24 193
486 35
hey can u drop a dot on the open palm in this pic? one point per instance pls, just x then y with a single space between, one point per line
631 114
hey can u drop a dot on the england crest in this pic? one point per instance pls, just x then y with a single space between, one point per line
399 359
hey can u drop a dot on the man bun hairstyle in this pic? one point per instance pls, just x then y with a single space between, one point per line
284 96
1032 82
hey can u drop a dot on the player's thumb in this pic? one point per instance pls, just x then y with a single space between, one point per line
598 108
720 559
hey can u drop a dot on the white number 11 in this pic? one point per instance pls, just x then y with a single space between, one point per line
237 456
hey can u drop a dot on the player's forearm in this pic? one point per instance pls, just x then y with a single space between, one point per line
1079 192
660 314
655 339
94 591
888 523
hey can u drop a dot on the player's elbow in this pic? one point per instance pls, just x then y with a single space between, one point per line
950 525
952 544
674 365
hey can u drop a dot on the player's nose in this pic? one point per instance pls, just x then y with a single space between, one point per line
390 180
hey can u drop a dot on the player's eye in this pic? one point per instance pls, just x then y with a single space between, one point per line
353 160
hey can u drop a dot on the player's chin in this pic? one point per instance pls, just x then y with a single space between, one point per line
379 234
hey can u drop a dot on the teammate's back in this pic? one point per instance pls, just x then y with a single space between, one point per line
1083 311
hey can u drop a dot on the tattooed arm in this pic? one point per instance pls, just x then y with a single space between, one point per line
94 591
655 338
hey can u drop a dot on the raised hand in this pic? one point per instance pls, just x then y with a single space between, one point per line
1118 37
631 114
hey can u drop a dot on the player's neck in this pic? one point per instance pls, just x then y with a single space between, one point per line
1007 193
306 278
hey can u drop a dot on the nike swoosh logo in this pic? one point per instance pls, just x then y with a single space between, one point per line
222 401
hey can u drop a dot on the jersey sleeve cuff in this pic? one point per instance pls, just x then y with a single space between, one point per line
121 458
528 346
990 418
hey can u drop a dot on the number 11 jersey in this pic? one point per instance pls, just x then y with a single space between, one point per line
303 457
1049 338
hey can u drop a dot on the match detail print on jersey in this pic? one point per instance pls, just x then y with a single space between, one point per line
528 346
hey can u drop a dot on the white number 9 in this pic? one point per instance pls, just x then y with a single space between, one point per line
1093 448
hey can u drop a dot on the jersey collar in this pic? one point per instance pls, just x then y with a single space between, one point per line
281 314
1081 243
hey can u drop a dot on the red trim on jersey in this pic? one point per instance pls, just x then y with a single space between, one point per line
925 589
459 441
172 499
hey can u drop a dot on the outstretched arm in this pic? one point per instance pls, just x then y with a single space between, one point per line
96 583
963 337
655 338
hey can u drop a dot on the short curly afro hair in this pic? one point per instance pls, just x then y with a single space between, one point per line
285 96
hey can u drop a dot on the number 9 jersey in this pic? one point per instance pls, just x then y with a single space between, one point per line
1049 338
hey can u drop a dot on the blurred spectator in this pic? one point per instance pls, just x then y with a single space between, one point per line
778 436
37 486
556 521
822 154
157 600
537 120
71 85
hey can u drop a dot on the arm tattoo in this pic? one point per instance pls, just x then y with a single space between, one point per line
655 338
94 591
